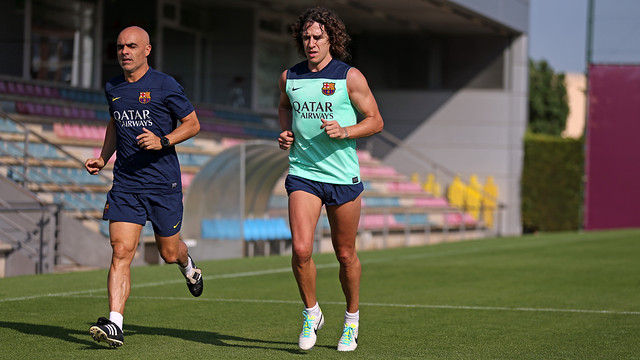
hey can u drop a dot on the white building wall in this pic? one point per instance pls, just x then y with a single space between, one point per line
576 84
512 13
470 132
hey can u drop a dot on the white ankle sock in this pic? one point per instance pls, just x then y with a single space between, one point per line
188 270
352 318
314 311
116 318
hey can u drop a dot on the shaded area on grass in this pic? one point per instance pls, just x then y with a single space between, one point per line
206 337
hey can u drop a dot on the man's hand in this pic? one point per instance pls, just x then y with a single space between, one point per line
94 166
333 129
148 140
285 140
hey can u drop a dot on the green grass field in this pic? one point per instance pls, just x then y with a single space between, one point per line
551 296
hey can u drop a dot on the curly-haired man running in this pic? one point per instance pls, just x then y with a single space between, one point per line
319 101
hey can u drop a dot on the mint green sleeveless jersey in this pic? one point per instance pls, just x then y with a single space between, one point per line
315 96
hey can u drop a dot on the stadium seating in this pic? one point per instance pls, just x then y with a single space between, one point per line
75 120
190 159
8 126
81 201
79 131
60 102
54 175
253 229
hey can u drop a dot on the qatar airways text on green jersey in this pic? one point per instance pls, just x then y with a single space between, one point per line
315 96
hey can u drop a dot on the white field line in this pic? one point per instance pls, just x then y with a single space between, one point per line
90 292
414 306
162 283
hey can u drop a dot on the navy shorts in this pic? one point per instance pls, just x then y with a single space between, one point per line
330 194
164 211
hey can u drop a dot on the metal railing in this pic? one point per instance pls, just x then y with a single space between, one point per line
57 191
388 141
31 229
31 176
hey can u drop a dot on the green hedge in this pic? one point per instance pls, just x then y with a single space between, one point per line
552 183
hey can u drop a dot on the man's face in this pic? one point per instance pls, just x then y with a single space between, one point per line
316 43
133 49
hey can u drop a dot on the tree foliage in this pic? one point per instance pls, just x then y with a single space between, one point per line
548 107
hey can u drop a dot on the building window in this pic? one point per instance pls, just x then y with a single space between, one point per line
62 41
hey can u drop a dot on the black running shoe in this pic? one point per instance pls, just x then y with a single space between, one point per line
107 331
194 282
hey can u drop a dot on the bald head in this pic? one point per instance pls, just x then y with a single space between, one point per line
133 49
136 32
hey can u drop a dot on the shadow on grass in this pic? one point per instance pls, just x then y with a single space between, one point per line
213 338
55 332
205 337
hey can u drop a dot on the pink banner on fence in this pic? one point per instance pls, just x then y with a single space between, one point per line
612 165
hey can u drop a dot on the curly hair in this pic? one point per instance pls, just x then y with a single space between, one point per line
332 24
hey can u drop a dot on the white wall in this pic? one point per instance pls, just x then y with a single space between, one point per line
468 132
512 13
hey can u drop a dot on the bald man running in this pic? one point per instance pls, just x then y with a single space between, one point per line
150 114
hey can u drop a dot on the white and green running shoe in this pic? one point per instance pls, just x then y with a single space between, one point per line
310 328
349 339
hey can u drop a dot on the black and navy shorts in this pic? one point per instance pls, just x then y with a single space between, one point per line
330 194
164 211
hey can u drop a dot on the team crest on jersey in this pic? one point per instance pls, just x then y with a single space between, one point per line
328 88
145 97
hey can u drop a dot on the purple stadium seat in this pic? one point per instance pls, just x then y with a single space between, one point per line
38 90
205 113
89 114
31 108
74 112
57 111
20 89
39 109
50 92
48 110
11 88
